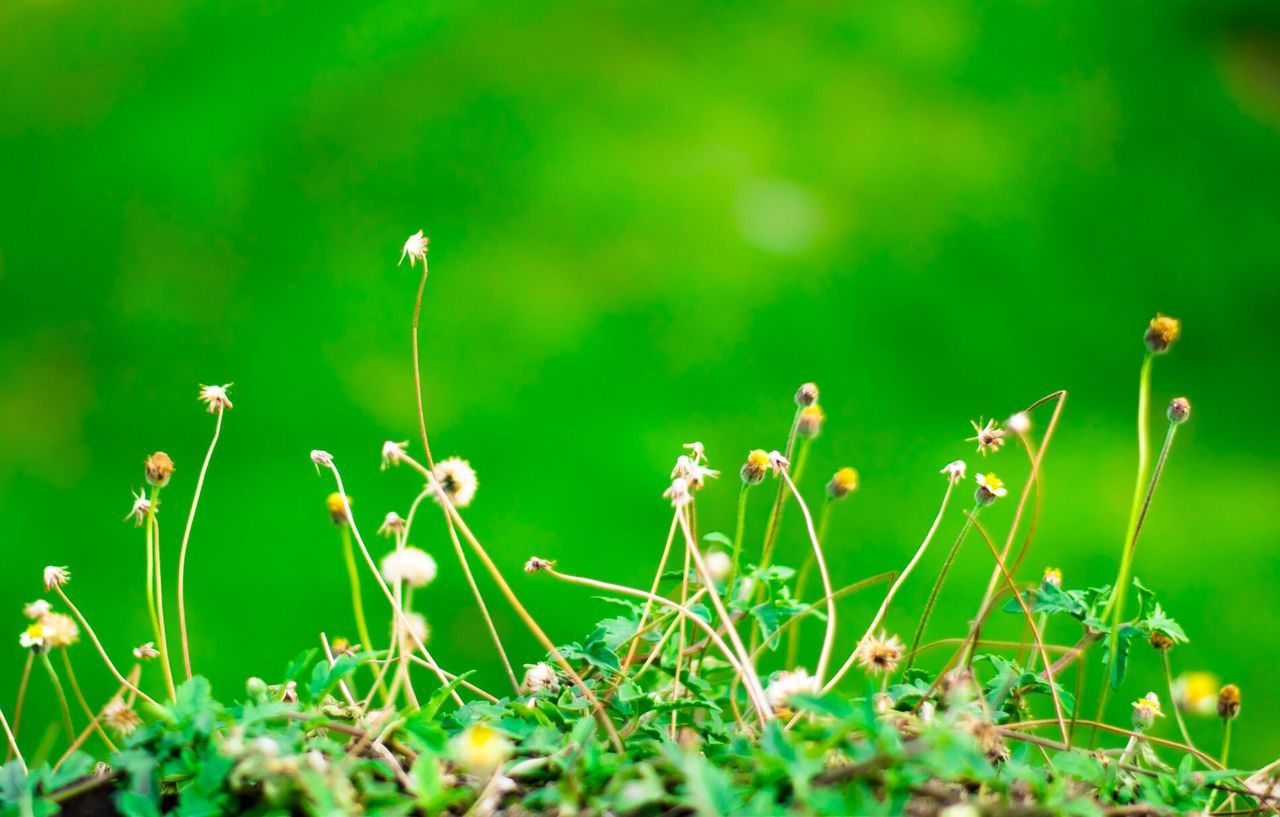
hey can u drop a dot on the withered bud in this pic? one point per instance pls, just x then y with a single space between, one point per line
1229 702
159 468
1161 334
810 423
843 483
1179 410
807 395
756 466
1161 642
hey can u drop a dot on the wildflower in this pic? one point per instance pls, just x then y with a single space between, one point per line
33 637
719 564
158 468
535 564
1018 423
753 470
810 423
120 717
343 646
1161 333
418 627
990 488
392 524
778 462
1196 692
843 483
989 437
697 451
1160 641
415 249
145 652
1145 711
141 507
321 458
954 471
1179 410
678 492
393 453
337 505
60 630
215 397
481 749
1229 702
410 565
458 480
785 685
807 395
36 609
1053 576
880 656
540 677
56 576
693 473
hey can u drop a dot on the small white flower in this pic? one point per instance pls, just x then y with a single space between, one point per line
141 507
541 677
392 524
60 630
56 576
990 485
1145 711
393 453
458 479
678 492
145 652
321 458
778 462
719 564
693 473
410 565
786 684
215 397
33 637
418 628
989 437
1018 423
954 471
415 249
697 451
36 609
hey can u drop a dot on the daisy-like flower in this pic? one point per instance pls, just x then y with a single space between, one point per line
121 717
410 565
1018 423
1196 692
215 397
678 492
393 453
415 249
696 450
539 678
954 471
535 564
989 437
783 686
60 630
990 488
843 483
392 524
141 507
756 466
1053 576
33 637
55 576
145 652
693 472
778 462
481 749
158 469
1145 711
36 609
719 564
458 479
880 655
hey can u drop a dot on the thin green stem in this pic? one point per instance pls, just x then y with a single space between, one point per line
84 622
417 368
62 696
182 552
13 742
802 580
1226 742
22 698
738 528
162 639
942 577
353 577
484 608
1173 700
94 721
775 513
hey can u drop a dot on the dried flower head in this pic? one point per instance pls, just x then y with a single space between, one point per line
807 395
535 564
120 717
337 506
756 466
693 472
321 459
415 248
1179 410
146 651
1161 642
989 436
809 424
60 629
954 471
481 749
141 507
1161 333
785 685
987 735
158 468
777 462
843 483
1229 702
392 524
540 678
55 576
990 488
880 655
288 694
1196 693
719 565
1145 711
410 565
1053 576
696 450
1018 423
678 492
393 453
37 609
418 628
215 397
456 476
33 637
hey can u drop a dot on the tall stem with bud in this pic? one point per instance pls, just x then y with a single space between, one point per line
182 552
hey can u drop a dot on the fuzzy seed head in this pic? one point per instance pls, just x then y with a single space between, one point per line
1161 333
410 565
158 468
954 471
60 629
55 576
843 483
415 248
37 609
988 436
1018 424
692 471
322 459
719 564
756 466
785 685
141 508
393 524
535 564
215 397
1229 702
120 717
879 655
419 630
678 492
458 479
807 395
778 462
540 678
1179 410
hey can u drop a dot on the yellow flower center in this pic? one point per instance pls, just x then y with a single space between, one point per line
35 631
993 482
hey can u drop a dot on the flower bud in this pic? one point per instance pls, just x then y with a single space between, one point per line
1145 711
810 423
1179 410
756 466
159 467
256 687
1161 334
337 508
990 488
807 395
1160 642
1229 702
843 483
1053 576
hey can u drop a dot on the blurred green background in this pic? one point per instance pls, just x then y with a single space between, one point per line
650 222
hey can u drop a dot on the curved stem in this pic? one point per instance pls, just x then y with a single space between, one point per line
1173 701
829 637
937 585
182 552
353 577
775 513
417 368
153 527
94 723
13 742
22 699
648 605
484 608
102 651
739 526
62 696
